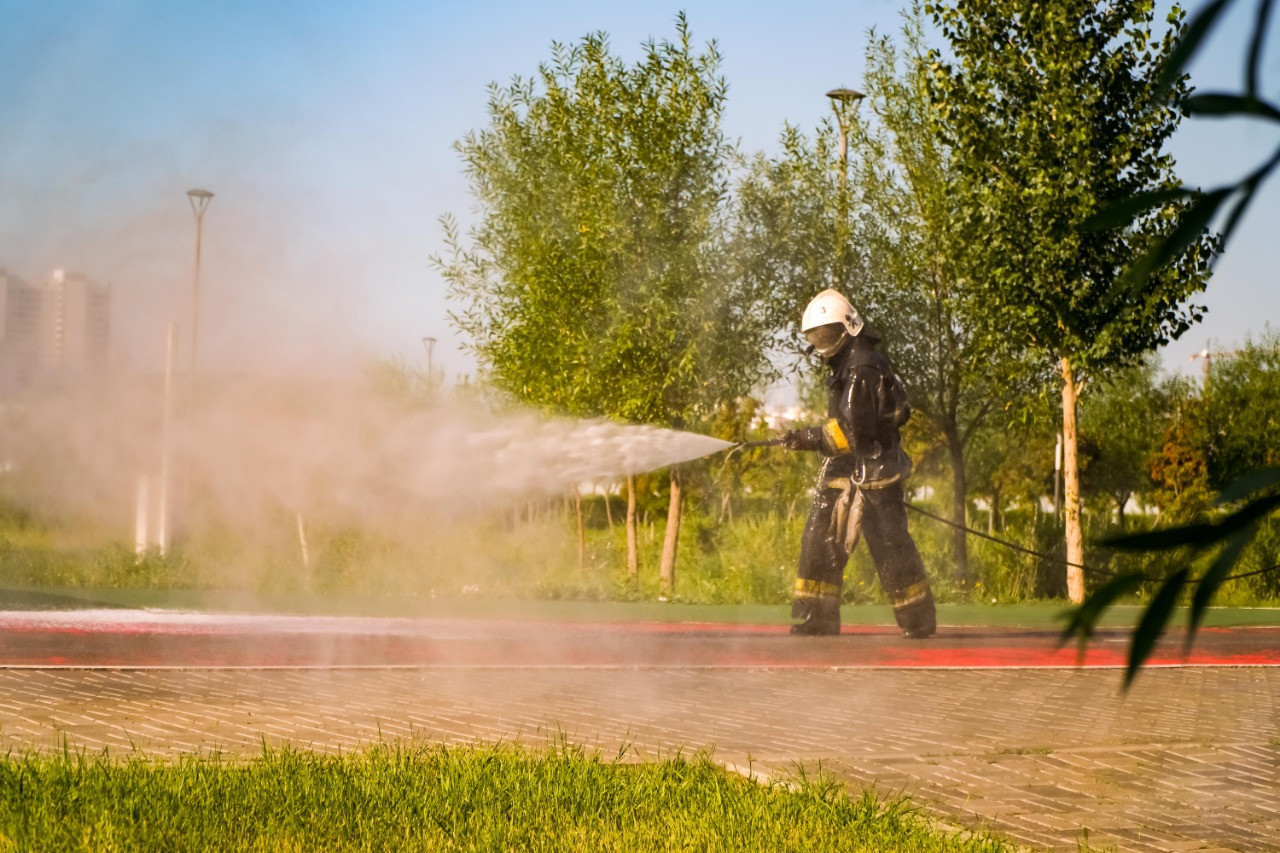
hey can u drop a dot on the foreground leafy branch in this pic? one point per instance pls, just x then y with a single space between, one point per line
1231 534
1234 532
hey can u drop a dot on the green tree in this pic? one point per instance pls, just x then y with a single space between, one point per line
788 239
1013 466
907 184
595 282
1013 469
1054 113
1179 471
1254 495
1122 423
1241 411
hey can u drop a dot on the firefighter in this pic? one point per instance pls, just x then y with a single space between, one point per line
859 488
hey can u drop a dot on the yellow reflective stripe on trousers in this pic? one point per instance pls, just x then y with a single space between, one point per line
835 436
910 595
806 588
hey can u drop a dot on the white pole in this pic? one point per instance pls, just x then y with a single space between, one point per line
302 540
1057 475
162 535
140 523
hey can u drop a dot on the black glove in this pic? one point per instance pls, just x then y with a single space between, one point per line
808 438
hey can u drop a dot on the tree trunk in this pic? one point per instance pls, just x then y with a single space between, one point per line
633 562
1071 485
582 533
959 506
608 508
726 507
667 578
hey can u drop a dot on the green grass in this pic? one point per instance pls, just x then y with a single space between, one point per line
1025 750
1036 615
520 568
420 797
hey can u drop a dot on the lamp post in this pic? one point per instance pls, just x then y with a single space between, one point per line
844 102
430 343
199 201
166 441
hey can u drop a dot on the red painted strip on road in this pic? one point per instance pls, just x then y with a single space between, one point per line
999 657
209 640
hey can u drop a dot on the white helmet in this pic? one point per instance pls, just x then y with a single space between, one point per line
829 308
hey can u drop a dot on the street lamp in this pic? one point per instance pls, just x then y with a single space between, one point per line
199 201
844 102
430 343
166 441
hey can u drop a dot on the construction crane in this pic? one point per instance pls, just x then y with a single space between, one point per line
1207 355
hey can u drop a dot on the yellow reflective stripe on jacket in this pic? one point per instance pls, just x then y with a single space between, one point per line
834 437
806 588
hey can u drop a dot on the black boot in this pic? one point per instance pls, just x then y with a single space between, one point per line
816 628
818 617
918 617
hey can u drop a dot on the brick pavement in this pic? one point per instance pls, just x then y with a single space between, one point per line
1189 760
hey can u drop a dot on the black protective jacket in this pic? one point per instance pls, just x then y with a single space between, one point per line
866 406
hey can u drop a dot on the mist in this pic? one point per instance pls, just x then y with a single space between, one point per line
248 447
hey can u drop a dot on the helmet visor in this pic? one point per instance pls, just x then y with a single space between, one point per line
827 339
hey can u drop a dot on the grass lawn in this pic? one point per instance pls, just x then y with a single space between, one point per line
1044 615
419 797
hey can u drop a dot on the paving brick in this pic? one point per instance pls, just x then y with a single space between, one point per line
1186 759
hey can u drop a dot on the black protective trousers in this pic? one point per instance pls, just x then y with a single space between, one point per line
898 564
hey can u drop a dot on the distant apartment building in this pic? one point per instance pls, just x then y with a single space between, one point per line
54 334
19 333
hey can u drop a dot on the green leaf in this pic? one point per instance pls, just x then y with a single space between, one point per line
1255 45
1220 104
1254 481
1200 535
1237 211
1162 540
1247 188
1214 577
1123 212
1153 623
1191 225
1248 514
1189 43
1084 619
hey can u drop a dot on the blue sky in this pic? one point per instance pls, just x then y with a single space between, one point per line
325 131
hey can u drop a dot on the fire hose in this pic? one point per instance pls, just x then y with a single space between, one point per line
768 442
780 439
